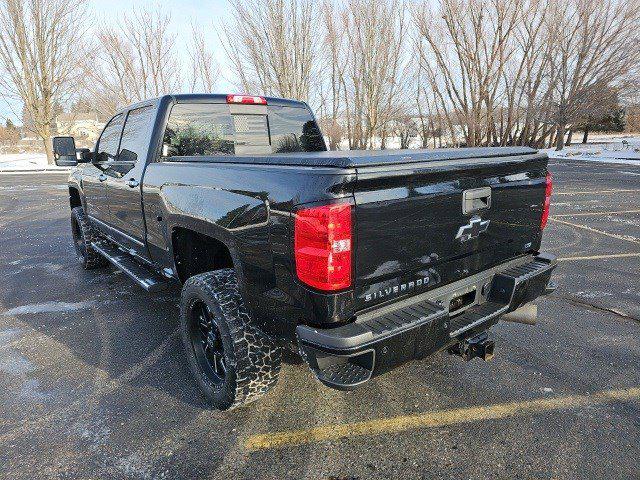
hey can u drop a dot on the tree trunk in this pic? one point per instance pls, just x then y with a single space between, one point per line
560 137
48 148
569 135
586 135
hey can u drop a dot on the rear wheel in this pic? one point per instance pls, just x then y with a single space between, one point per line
83 235
233 362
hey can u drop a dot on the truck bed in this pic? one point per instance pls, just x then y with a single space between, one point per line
349 159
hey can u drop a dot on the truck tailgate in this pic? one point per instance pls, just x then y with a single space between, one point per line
415 231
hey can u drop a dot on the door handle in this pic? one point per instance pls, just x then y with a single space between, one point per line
133 183
476 199
102 177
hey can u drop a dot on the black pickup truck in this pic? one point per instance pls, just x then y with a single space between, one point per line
357 261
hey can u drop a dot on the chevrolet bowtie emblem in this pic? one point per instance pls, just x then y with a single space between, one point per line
473 229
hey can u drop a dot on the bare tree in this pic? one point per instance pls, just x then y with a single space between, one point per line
404 127
272 46
39 45
134 62
374 79
9 134
595 47
464 48
334 59
526 77
429 117
205 70
522 71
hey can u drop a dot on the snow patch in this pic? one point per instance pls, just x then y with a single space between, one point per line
50 267
48 307
624 151
94 433
8 335
12 362
36 162
31 390
133 466
593 294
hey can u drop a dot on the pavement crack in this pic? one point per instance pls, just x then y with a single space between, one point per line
593 306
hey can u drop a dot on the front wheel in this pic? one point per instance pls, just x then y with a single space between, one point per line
233 362
83 236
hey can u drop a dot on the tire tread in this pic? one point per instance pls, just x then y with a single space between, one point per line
92 259
256 360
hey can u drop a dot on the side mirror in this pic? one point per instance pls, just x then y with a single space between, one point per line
64 151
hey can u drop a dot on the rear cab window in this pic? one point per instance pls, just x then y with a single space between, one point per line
206 129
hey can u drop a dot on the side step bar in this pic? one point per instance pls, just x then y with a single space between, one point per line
142 275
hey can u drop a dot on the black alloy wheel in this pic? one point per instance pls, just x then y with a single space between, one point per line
232 361
206 342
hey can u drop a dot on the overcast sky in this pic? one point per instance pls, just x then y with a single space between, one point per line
108 13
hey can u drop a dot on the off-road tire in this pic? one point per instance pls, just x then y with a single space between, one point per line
251 358
83 235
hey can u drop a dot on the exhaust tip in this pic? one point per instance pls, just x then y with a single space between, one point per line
527 314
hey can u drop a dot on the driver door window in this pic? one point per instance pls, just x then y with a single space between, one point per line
134 145
109 141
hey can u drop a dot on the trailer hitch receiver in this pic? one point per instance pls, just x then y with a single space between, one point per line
479 346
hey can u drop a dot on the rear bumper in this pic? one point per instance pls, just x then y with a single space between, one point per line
378 341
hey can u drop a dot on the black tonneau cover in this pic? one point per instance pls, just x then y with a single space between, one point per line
364 158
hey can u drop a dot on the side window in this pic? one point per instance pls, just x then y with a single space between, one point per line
198 129
135 139
109 140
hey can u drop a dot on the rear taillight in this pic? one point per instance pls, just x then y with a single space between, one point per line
247 99
547 201
322 245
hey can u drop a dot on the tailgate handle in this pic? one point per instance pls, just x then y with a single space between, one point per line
476 199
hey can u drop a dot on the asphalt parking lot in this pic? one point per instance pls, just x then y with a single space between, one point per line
93 382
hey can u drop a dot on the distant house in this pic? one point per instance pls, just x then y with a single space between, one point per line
85 127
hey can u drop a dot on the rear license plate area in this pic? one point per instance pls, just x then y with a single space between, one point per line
461 302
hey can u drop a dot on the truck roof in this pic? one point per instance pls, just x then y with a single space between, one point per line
211 98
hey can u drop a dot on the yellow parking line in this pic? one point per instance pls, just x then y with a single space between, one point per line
436 419
594 192
599 257
594 230
586 214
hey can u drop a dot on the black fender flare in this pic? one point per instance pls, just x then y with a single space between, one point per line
207 228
